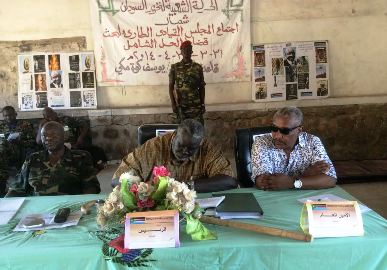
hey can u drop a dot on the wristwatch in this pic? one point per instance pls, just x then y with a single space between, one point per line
297 183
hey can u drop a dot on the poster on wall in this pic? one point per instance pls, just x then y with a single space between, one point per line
58 80
290 70
137 41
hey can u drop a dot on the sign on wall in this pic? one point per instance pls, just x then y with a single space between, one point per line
57 80
137 41
291 70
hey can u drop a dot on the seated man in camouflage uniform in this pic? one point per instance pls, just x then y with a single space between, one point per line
56 170
187 155
77 135
186 86
16 143
77 132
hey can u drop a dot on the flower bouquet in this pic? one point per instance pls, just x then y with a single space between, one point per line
159 193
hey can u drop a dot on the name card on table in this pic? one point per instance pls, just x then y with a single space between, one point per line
152 229
332 219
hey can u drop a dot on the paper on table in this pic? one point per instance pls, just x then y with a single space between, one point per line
72 220
333 198
8 208
210 202
13 136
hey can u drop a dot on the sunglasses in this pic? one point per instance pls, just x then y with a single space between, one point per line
284 131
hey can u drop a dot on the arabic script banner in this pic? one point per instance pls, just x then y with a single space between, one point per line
137 41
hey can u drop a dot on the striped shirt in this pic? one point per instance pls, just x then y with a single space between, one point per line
207 161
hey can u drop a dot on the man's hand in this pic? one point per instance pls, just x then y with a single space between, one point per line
278 181
317 168
261 181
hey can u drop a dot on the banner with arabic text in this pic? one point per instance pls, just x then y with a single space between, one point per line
136 41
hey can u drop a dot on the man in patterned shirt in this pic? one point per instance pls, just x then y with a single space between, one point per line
289 158
187 155
56 170
186 86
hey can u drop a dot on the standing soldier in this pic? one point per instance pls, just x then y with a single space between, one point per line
186 86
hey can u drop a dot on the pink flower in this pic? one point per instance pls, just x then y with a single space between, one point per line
148 203
160 171
134 188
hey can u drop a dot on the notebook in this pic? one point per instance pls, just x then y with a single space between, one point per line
238 205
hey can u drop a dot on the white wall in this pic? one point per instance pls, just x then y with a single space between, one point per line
356 31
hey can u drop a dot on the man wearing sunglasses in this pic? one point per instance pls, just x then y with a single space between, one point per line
289 158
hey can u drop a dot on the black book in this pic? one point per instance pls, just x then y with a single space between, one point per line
238 205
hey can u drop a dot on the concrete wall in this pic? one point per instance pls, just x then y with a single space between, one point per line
356 30
357 35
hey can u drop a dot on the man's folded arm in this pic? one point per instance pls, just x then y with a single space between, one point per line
218 182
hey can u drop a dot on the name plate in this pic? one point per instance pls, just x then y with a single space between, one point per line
332 219
152 229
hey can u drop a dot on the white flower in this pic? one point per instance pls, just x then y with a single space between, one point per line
171 196
189 207
108 208
131 177
189 195
113 197
121 205
144 190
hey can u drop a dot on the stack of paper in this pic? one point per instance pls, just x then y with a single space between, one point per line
8 208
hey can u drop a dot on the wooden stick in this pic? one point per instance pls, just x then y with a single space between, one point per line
258 229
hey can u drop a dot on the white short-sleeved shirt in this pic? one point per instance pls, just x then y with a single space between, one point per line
268 159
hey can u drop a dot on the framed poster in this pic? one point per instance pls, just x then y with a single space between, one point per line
290 70
58 80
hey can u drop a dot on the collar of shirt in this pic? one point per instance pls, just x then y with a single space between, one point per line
67 157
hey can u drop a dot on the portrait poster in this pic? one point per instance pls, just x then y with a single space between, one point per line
137 41
290 71
56 79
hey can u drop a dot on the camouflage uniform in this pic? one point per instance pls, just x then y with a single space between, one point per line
74 126
73 174
14 152
189 79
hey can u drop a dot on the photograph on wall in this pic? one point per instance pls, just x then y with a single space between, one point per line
40 82
260 91
41 100
74 62
39 63
46 78
75 99
259 57
290 71
88 98
27 102
25 64
322 88
259 74
88 79
26 82
87 61
56 98
54 62
56 79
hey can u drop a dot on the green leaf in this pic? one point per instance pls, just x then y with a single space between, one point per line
128 197
197 230
159 194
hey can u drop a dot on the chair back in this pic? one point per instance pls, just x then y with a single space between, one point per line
244 138
149 131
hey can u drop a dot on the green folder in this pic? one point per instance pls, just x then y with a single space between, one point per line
238 205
